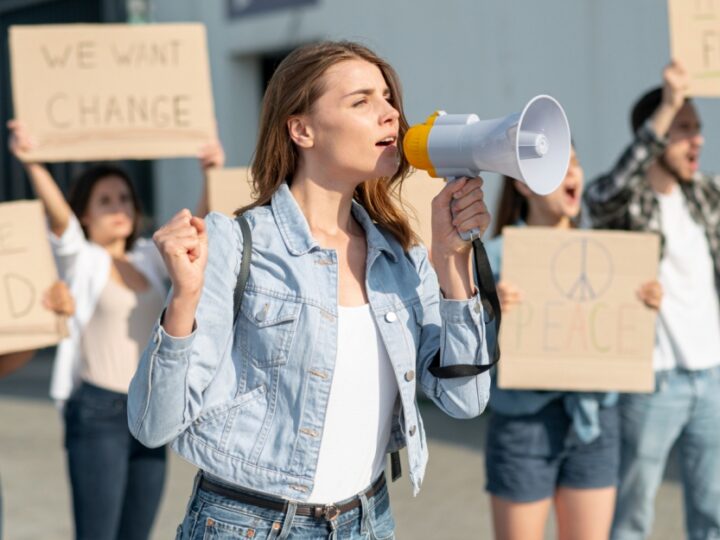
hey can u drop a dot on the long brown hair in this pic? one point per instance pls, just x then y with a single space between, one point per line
293 89
513 206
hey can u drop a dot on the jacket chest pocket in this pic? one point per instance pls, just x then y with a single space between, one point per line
267 326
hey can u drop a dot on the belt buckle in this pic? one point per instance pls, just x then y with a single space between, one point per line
330 512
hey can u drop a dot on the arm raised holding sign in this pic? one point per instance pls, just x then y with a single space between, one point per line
56 207
211 156
665 150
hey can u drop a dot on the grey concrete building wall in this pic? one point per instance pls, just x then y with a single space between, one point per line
482 56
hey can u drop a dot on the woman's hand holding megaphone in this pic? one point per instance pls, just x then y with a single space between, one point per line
458 208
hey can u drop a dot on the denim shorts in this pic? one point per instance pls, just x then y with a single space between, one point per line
528 457
210 515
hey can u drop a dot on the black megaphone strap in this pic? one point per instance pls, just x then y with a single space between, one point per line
491 305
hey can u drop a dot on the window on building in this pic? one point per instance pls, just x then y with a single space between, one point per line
268 64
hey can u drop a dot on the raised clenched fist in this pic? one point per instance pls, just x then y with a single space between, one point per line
183 244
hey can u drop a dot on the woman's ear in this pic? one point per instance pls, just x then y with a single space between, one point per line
300 131
522 188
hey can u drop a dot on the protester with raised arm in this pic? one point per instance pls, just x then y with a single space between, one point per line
118 282
657 186
290 411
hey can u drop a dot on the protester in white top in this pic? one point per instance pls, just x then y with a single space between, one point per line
657 187
116 482
87 267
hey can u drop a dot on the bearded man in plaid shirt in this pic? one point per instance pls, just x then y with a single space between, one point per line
656 186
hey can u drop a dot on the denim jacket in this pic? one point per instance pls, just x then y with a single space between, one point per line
247 404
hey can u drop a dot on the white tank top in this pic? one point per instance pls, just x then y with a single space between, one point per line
688 328
359 413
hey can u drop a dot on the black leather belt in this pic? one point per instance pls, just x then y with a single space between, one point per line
318 511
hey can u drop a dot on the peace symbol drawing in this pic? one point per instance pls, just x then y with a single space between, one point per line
582 270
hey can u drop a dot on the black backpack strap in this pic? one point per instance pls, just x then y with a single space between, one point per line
491 304
244 265
395 465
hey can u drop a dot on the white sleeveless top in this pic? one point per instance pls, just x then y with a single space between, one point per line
688 327
359 413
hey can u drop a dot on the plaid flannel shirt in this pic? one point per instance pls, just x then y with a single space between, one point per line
623 198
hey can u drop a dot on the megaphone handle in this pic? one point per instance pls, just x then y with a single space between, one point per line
472 234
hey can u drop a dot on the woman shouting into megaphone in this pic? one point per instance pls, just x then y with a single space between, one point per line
289 398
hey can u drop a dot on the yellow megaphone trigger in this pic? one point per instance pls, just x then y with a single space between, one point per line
415 145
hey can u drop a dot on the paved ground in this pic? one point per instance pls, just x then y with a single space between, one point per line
452 504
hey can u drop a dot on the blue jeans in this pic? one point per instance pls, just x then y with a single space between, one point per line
685 407
116 482
220 518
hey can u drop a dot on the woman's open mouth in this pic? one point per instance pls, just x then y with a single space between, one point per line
572 194
387 141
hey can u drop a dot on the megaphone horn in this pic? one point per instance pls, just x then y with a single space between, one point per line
532 146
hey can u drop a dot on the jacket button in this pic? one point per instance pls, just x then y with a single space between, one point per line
409 375
390 316
412 431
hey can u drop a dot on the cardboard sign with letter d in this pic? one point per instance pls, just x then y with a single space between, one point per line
27 271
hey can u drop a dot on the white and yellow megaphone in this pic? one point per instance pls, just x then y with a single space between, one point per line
532 146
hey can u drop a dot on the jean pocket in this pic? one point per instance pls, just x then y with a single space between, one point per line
382 524
242 527
267 328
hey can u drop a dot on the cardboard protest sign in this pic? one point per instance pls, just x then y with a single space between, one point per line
695 41
418 191
580 325
229 189
112 91
27 270
10 343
